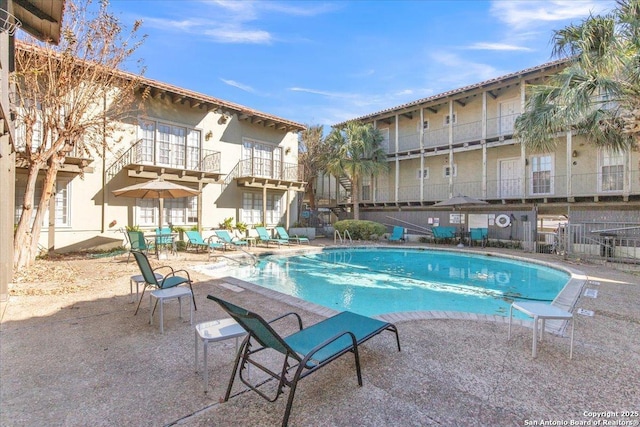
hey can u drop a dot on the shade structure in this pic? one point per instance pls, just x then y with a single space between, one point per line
460 200
157 189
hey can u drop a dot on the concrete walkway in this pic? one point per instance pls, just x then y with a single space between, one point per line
74 354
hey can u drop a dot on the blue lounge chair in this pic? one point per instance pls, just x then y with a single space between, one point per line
479 234
304 351
265 237
229 241
446 233
196 241
397 235
169 280
282 234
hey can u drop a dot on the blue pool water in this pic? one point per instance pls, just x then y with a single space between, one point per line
378 281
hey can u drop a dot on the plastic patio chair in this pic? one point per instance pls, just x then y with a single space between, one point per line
138 242
169 280
264 237
306 350
282 234
229 241
196 240
397 235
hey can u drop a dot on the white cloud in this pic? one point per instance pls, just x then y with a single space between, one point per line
497 46
240 86
322 92
528 13
455 71
238 35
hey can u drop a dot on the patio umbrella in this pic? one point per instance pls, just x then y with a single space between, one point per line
460 200
157 189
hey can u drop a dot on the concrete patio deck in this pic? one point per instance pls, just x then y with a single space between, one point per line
73 354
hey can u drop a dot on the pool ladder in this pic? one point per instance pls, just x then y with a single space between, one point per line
342 237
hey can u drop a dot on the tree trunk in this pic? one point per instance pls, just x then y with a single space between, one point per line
312 195
355 196
22 237
26 241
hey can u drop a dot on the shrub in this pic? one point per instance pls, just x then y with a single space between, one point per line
360 230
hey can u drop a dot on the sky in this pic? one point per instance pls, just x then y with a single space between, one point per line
325 62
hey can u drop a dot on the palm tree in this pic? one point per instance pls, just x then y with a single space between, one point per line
356 152
597 93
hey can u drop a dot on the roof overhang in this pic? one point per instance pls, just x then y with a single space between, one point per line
40 18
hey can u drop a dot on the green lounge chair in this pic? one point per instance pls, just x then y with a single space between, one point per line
169 280
397 235
229 241
265 237
282 234
304 351
196 241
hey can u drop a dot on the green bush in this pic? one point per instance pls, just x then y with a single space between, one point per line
360 230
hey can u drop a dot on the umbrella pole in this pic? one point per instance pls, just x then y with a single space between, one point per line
161 207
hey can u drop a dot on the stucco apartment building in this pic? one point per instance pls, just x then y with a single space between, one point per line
461 143
243 162
42 20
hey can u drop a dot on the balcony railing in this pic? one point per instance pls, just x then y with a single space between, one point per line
169 155
555 187
462 132
266 168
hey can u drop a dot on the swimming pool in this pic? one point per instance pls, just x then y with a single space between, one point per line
376 281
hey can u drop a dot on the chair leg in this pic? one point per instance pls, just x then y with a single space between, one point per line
141 298
239 356
193 297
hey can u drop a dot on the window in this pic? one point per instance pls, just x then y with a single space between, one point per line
62 202
611 171
260 159
252 209
163 143
447 170
365 188
176 211
425 126
542 175
423 173
447 119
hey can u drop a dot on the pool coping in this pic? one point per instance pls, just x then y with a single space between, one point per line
565 300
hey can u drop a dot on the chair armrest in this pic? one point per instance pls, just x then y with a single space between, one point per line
173 273
286 315
314 350
164 266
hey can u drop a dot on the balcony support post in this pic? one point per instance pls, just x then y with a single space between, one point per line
397 183
421 154
523 151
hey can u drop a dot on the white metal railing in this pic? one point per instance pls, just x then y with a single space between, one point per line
342 237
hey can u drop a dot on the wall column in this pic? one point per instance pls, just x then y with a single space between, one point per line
421 154
523 151
451 170
484 145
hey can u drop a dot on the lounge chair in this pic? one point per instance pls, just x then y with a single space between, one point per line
264 237
282 234
306 351
170 280
229 241
138 242
196 241
165 239
443 233
479 234
397 235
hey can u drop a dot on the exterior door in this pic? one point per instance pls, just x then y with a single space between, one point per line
509 180
508 112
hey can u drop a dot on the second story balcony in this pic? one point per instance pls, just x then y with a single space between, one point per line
167 158
269 173
497 128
